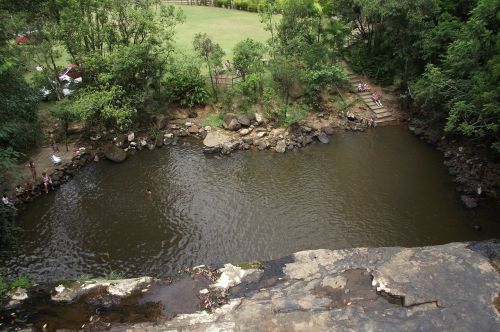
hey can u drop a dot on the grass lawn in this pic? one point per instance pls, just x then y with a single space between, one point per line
225 26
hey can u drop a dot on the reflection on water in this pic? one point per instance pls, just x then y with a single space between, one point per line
380 188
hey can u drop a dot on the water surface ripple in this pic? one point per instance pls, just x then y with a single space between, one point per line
380 188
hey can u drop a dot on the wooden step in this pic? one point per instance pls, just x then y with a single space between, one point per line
386 121
375 107
380 111
383 115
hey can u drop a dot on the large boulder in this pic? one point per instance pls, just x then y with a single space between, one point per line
259 118
229 120
323 138
193 129
245 131
280 147
232 125
215 139
244 119
114 153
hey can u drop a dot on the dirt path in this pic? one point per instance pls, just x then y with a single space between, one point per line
43 163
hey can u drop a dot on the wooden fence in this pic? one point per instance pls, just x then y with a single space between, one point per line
190 2
224 81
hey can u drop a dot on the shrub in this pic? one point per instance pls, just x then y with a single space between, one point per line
185 85
287 74
222 3
286 115
113 275
6 285
247 58
213 120
20 128
249 5
292 114
227 100
322 77
250 88
22 282
241 4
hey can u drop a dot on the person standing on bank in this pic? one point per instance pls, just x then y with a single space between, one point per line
32 169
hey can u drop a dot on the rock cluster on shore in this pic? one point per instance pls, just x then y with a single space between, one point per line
239 132
62 173
476 177
247 131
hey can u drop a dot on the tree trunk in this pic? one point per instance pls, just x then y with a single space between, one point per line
211 78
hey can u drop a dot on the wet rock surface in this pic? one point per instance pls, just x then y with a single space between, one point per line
114 153
452 287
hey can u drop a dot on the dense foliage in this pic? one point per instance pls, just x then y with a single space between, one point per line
122 49
19 129
184 84
247 58
442 54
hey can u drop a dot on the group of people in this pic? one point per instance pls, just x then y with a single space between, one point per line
363 87
46 180
22 192
28 189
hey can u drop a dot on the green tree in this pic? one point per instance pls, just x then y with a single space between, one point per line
300 31
183 83
247 57
267 16
462 92
212 55
287 75
65 115
110 106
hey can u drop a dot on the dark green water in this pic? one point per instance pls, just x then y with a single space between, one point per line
379 188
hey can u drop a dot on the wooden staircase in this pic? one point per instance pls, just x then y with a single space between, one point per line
382 114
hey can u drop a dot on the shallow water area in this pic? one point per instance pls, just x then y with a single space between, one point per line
379 188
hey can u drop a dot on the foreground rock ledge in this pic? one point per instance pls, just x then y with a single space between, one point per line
452 287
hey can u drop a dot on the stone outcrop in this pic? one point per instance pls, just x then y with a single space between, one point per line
119 288
445 288
215 141
453 287
114 153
